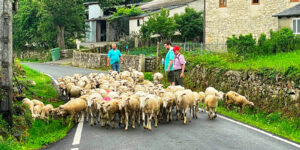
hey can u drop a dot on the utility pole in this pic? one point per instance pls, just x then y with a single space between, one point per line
6 60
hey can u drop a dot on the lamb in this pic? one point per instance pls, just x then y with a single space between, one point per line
211 103
73 108
157 78
233 98
29 103
46 111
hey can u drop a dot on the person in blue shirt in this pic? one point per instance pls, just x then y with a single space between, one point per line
113 58
169 62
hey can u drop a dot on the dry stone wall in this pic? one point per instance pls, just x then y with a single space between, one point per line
270 91
95 60
38 55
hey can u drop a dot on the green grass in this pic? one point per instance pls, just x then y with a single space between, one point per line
43 90
275 122
279 62
39 134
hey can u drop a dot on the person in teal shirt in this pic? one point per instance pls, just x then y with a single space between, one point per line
169 62
113 58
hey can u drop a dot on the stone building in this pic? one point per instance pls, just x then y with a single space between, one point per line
290 18
224 18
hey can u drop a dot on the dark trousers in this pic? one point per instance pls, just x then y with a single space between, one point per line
115 67
177 79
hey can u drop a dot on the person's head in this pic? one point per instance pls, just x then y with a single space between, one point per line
176 50
167 44
114 46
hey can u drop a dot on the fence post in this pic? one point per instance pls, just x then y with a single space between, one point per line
6 60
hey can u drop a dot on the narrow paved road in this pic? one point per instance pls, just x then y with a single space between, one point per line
201 133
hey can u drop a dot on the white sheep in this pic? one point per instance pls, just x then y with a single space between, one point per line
233 98
157 78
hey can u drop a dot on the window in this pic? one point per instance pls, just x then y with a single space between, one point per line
222 3
294 0
296 26
138 22
255 2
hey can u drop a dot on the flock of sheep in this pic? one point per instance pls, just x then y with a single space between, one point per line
133 99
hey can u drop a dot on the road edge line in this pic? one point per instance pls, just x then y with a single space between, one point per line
259 130
77 137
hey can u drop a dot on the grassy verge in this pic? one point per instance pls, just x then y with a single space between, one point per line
37 134
274 123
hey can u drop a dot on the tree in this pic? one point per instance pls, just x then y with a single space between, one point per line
190 24
26 23
67 16
159 23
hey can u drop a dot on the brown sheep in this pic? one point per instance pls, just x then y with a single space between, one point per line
233 98
211 104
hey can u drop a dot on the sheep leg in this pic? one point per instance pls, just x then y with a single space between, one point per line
92 117
86 114
191 113
113 120
149 121
242 109
133 119
126 120
107 119
102 119
99 114
143 118
71 118
139 117
184 115
170 114
155 120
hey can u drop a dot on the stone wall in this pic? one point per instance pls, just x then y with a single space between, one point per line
66 53
270 91
33 54
241 17
94 60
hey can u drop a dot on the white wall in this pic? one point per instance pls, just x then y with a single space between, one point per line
95 11
197 5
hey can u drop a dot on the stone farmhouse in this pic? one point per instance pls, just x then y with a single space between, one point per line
224 18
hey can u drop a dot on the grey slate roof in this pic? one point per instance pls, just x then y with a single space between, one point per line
291 12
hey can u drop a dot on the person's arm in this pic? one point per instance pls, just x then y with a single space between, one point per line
182 71
123 60
108 60
170 64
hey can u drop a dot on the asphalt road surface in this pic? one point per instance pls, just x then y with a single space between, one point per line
201 133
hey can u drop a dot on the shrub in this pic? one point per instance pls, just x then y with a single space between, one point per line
243 45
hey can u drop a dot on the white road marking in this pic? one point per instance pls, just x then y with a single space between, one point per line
74 148
77 136
260 131
55 81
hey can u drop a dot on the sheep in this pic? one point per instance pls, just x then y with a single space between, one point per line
131 105
168 103
202 99
187 102
46 111
62 88
29 103
75 91
37 102
37 109
157 78
211 103
137 76
213 91
73 108
233 98
111 109
150 107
